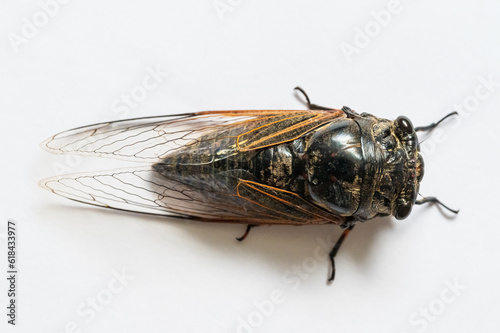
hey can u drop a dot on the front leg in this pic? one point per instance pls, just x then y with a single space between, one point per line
347 110
309 105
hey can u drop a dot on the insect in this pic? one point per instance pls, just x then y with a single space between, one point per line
278 167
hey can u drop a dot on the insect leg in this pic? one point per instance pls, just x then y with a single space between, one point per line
336 248
250 226
433 125
309 105
435 200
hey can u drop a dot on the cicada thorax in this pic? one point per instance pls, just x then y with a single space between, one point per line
364 167
334 167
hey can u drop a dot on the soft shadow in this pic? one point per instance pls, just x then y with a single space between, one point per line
275 246
362 247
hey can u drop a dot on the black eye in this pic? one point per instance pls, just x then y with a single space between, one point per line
403 211
405 124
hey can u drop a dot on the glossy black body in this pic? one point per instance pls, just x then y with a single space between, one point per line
357 168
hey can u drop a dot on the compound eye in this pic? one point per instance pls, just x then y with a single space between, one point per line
403 211
405 124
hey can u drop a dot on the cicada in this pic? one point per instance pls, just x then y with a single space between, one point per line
275 167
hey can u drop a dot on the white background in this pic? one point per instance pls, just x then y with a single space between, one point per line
426 59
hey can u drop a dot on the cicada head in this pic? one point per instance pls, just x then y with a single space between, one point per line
403 166
413 167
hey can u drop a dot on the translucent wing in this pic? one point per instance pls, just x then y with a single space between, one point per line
214 134
222 197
